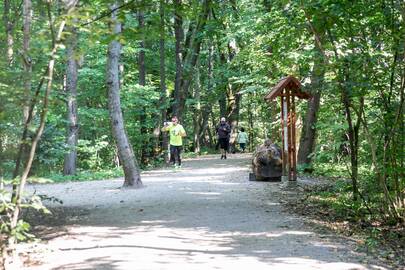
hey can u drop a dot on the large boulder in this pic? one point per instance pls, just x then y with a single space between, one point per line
267 162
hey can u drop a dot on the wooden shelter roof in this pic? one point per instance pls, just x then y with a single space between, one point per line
288 82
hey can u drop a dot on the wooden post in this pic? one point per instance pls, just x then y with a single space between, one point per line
289 159
284 109
293 142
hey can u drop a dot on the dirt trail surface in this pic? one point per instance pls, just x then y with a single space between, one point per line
206 215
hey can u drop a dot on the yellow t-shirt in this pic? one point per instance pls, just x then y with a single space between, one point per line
176 133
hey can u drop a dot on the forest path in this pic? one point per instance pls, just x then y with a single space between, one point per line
207 215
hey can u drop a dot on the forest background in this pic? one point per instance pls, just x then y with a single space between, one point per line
68 68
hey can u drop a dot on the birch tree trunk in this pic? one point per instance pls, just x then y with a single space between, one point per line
27 63
125 151
69 167
9 27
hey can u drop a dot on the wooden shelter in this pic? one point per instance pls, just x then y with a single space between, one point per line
287 89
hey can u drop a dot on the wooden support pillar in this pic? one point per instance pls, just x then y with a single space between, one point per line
289 131
293 140
284 132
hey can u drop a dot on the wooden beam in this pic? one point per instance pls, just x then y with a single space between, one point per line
293 139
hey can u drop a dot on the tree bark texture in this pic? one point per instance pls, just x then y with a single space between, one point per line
9 27
190 60
142 82
308 135
207 108
17 196
125 151
197 112
179 36
69 167
163 95
27 63
185 63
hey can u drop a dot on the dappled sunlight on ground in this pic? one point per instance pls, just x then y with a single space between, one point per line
202 216
164 246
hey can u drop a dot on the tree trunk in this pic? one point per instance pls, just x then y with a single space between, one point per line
163 95
179 36
197 113
27 63
189 60
206 111
251 126
142 82
125 151
353 142
69 167
17 195
9 27
308 135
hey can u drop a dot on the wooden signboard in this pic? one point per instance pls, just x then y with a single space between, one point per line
287 89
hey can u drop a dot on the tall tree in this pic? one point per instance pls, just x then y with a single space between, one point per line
308 135
69 167
187 52
179 36
142 83
48 77
162 73
27 63
9 27
125 151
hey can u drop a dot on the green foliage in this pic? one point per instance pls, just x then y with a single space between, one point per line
98 174
21 231
250 45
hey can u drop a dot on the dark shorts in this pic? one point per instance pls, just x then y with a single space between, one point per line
242 146
224 143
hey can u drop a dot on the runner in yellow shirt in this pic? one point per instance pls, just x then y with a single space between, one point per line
176 132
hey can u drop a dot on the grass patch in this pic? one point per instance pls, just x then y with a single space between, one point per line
80 176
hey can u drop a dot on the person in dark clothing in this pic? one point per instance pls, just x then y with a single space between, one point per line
223 130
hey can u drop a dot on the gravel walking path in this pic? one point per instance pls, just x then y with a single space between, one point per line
206 215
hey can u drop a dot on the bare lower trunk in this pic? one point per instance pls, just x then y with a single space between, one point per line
307 142
142 82
308 136
71 90
163 97
353 142
251 126
179 36
125 152
27 63
207 108
197 113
